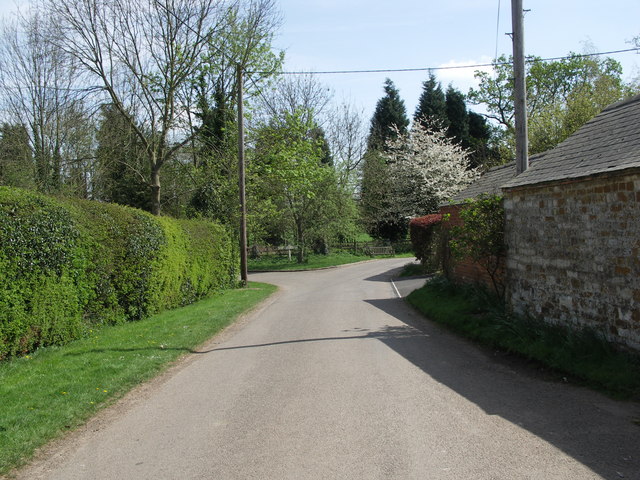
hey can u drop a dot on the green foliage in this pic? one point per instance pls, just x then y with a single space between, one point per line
439 111
69 264
199 259
432 105
562 95
481 237
458 116
16 160
389 118
376 200
43 284
122 168
295 194
425 239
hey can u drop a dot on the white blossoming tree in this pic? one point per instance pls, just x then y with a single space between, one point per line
426 168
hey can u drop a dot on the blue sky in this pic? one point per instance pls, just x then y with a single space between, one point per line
321 35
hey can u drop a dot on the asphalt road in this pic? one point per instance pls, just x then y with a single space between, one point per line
337 378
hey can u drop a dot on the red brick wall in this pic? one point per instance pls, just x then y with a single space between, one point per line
463 270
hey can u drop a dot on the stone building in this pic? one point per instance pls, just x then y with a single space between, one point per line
573 228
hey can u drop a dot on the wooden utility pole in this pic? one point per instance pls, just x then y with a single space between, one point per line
520 92
241 180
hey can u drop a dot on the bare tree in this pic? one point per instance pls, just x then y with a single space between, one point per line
294 94
347 136
142 53
41 90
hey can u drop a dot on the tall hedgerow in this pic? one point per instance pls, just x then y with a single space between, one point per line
66 265
43 282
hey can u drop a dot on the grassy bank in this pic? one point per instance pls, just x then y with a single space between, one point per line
583 355
58 388
273 263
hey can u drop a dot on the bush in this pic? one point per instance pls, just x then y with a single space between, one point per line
481 237
68 264
424 236
43 285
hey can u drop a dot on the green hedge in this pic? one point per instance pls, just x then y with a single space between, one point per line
67 265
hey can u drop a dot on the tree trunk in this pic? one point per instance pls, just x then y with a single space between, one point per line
300 232
155 190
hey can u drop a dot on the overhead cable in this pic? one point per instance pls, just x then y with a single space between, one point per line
450 67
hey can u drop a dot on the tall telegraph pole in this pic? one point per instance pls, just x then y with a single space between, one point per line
241 180
520 100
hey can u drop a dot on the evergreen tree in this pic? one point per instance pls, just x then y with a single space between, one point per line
458 116
122 167
389 118
482 152
16 158
432 105
215 174
214 136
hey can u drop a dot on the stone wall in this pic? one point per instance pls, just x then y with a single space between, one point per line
573 253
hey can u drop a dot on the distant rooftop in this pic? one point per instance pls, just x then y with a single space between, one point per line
489 183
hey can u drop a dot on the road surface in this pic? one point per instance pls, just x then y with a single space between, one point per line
337 378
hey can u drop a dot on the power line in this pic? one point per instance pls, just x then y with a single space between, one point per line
381 70
452 67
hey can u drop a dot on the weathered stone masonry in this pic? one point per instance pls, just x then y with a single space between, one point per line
573 253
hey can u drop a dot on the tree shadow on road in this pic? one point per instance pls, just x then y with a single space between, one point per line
385 276
594 430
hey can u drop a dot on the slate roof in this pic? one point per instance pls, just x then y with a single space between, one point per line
609 142
489 183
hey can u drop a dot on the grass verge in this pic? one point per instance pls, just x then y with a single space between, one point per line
59 388
271 263
583 355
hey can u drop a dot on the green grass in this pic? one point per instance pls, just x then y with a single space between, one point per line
268 263
583 355
56 389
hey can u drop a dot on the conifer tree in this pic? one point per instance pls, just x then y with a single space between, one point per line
432 107
121 167
388 122
458 116
389 118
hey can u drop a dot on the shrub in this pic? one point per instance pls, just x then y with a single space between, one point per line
43 284
424 238
197 259
67 264
481 237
